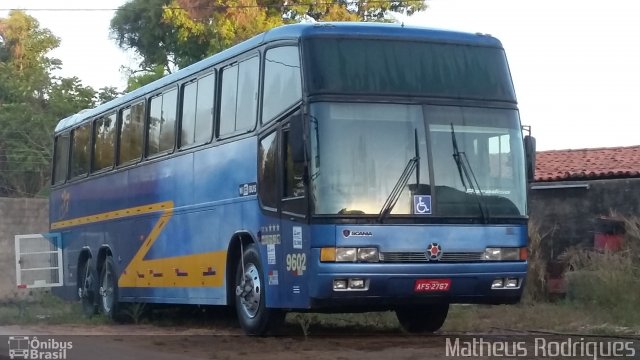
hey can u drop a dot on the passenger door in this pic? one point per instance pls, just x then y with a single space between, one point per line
269 197
293 207
284 236
287 247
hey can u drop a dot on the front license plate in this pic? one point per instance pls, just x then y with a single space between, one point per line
432 285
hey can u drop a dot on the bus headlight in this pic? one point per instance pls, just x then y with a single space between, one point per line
503 254
346 254
368 254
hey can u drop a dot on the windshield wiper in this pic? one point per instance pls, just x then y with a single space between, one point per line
394 196
465 168
417 152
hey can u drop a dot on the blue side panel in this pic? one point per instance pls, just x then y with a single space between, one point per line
195 296
271 256
323 236
295 279
208 211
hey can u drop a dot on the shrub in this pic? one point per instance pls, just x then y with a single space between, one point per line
535 288
608 280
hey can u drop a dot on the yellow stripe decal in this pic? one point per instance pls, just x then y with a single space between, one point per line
194 270
112 215
197 267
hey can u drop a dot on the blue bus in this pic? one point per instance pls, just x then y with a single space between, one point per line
315 167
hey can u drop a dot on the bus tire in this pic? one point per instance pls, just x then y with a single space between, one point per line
427 318
108 291
87 288
254 317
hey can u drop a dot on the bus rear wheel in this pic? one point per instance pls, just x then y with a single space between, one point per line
254 316
424 319
87 288
108 291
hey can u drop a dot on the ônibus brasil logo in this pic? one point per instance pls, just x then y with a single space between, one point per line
32 348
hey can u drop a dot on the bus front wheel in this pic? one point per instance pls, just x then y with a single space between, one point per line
253 315
427 318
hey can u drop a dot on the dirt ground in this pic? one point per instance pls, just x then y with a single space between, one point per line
147 342
159 343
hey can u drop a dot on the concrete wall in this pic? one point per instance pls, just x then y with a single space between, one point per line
574 211
18 216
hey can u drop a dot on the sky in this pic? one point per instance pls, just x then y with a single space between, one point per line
575 63
86 50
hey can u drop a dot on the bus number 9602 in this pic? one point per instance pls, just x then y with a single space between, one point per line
297 263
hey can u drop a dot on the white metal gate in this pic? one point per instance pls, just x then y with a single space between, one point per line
38 260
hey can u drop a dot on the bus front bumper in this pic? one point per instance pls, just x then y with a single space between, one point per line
388 285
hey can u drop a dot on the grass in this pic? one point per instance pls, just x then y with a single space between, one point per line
134 312
605 282
44 308
562 317
312 323
567 316
535 291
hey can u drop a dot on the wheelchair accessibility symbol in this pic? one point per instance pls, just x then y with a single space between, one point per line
422 204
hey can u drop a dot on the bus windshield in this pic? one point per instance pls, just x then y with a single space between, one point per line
392 67
359 151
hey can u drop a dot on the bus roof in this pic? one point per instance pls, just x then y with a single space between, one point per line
290 32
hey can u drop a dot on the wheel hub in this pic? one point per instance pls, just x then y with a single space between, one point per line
248 291
106 291
87 283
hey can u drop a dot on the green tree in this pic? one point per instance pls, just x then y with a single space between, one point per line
140 25
220 24
32 101
352 10
107 93
25 68
25 126
138 79
67 96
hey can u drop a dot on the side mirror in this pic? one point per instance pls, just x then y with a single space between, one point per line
530 155
296 138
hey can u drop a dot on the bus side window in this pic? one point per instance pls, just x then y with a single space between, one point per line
239 97
162 123
80 150
293 184
61 158
282 81
267 171
131 127
188 119
197 111
104 146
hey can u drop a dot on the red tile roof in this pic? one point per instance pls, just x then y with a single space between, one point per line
588 164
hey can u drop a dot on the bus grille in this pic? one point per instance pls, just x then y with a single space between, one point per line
418 257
